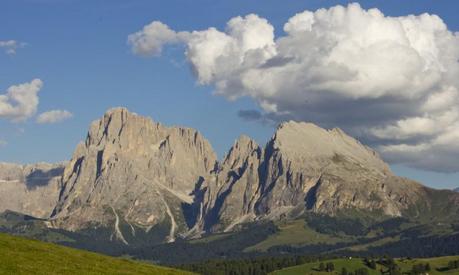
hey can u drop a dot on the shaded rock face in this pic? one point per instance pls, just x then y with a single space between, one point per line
233 188
134 170
457 189
30 189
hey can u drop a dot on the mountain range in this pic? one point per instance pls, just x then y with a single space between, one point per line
134 182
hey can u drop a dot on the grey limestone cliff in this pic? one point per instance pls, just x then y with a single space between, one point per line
302 168
134 170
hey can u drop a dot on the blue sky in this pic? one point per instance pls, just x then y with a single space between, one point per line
79 50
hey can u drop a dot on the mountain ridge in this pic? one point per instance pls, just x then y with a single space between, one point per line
136 178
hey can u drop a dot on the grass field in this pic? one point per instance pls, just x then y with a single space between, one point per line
353 264
24 256
296 233
312 268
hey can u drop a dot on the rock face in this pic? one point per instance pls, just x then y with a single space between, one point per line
131 169
327 170
302 168
457 189
133 175
30 189
230 193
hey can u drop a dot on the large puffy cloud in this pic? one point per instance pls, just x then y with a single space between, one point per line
20 101
10 46
54 116
391 81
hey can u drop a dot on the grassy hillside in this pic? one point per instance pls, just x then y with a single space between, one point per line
24 256
438 266
399 237
296 233
313 268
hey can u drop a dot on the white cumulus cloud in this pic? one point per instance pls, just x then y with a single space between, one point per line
391 81
54 116
20 101
10 46
151 39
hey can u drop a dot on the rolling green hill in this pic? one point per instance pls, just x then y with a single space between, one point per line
24 256
313 268
438 266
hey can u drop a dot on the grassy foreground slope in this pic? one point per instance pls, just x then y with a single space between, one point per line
24 256
438 266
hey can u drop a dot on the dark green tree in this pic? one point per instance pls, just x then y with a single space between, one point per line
362 271
330 267
321 267
372 264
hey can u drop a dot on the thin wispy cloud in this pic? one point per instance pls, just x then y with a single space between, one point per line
10 46
391 81
54 116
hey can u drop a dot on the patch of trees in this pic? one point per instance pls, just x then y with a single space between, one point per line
255 266
352 226
327 267
389 226
389 265
420 269
330 267
229 247
425 247
453 265
306 249
371 263
265 265
332 225
362 271
359 271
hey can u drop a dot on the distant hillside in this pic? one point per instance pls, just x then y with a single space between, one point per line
457 189
24 256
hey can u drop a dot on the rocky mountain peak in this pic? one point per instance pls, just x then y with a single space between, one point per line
140 170
303 141
245 141
122 128
242 148
230 193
